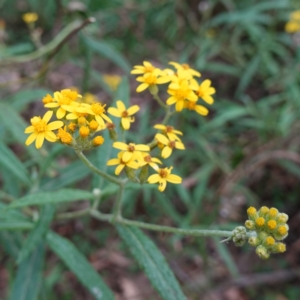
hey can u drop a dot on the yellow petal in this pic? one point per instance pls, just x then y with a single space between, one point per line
120 145
174 179
71 116
106 118
162 80
201 110
29 129
208 99
205 84
114 112
51 105
166 152
55 125
113 161
179 145
142 87
125 123
127 156
137 71
121 106
99 120
162 139
160 126
50 136
31 139
119 169
162 185
133 109
60 113
141 147
47 116
179 105
171 100
154 178
132 164
39 140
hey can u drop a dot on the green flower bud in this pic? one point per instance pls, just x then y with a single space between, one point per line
262 252
250 224
239 236
278 248
143 174
131 175
253 241
282 218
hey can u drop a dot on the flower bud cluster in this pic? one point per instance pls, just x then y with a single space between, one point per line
269 227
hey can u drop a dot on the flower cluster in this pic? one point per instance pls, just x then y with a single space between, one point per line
293 25
183 88
267 227
79 119
76 122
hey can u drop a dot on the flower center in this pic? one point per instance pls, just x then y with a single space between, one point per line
131 148
181 94
149 69
72 95
98 109
200 93
40 126
147 159
190 105
169 128
171 144
151 79
124 114
64 101
163 173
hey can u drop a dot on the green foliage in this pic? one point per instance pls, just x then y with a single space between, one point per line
152 261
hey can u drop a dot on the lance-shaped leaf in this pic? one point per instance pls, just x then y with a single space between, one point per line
79 265
152 261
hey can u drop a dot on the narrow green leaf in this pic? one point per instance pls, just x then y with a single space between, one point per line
15 225
11 242
106 50
11 162
63 195
38 232
79 265
29 275
152 261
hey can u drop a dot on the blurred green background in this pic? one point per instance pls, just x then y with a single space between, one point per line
246 152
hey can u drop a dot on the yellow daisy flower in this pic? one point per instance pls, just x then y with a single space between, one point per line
179 93
169 145
295 15
131 163
146 68
185 67
292 26
40 130
123 113
200 109
164 176
98 111
205 91
64 97
75 111
169 131
113 81
150 80
131 151
149 160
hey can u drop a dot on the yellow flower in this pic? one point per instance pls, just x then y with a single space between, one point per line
98 111
295 15
131 151
150 80
64 97
146 68
164 176
40 130
186 68
75 111
48 99
89 98
112 81
98 140
123 113
149 160
64 136
205 91
131 163
30 17
200 109
179 93
169 131
169 145
292 26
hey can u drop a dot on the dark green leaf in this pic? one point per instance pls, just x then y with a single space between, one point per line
38 232
28 279
79 265
63 195
152 261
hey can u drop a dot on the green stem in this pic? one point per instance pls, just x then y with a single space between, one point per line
117 214
160 102
96 170
72 215
191 232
